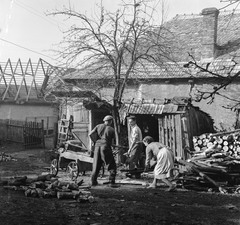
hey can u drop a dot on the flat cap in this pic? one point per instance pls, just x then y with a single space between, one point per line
108 117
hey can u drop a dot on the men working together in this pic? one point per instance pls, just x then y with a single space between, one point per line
163 156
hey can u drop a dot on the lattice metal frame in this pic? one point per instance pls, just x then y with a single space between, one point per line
21 80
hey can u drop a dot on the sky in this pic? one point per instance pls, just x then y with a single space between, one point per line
26 32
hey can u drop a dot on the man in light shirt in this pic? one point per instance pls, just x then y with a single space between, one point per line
135 144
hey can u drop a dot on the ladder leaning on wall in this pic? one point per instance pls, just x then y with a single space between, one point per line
65 127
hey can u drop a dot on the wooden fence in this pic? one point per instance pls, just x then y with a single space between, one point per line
30 134
173 132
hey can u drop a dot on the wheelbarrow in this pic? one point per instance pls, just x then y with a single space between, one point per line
74 157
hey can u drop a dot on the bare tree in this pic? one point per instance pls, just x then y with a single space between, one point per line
230 3
223 73
116 44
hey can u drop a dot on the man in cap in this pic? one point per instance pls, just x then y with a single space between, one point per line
102 150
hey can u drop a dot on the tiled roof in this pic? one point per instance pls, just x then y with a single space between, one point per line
223 67
228 27
187 32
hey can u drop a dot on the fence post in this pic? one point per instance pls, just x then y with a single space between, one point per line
43 139
55 132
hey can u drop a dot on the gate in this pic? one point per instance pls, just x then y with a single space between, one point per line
30 134
33 134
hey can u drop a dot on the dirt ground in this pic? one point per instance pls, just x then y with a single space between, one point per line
127 204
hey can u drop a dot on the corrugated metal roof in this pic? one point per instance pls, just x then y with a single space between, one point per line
149 108
146 109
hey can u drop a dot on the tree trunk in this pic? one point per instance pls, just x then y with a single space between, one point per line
116 121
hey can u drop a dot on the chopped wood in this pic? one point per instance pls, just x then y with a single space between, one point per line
45 187
66 195
221 189
131 181
216 157
15 188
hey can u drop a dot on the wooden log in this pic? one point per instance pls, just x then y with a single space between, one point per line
40 192
83 199
225 137
225 133
206 168
225 143
72 186
80 182
17 181
28 192
38 184
86 193
49 193
194 140
10 187
225 148
197 149
221 189
55 184
210 144
203 136
24 188
62 184
34 193
67 195
46 177
84 187
132 182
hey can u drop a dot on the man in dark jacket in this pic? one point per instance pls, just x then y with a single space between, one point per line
103 151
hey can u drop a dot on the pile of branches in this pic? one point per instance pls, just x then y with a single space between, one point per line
47 186
215 165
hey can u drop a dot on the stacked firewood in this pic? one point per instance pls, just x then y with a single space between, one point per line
226 141
217 158
46 186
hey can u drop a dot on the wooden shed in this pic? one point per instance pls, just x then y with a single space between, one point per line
172 122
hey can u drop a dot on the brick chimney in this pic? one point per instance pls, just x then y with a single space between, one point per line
209 32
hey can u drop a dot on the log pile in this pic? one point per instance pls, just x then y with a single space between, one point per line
226 141
216 157
46 186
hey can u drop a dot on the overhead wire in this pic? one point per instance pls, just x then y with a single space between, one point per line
28 49
37 13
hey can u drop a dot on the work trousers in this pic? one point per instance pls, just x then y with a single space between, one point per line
103 154
135 156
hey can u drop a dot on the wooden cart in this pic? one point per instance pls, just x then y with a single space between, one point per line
73 157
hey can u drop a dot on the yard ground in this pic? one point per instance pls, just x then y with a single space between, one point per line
127 204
